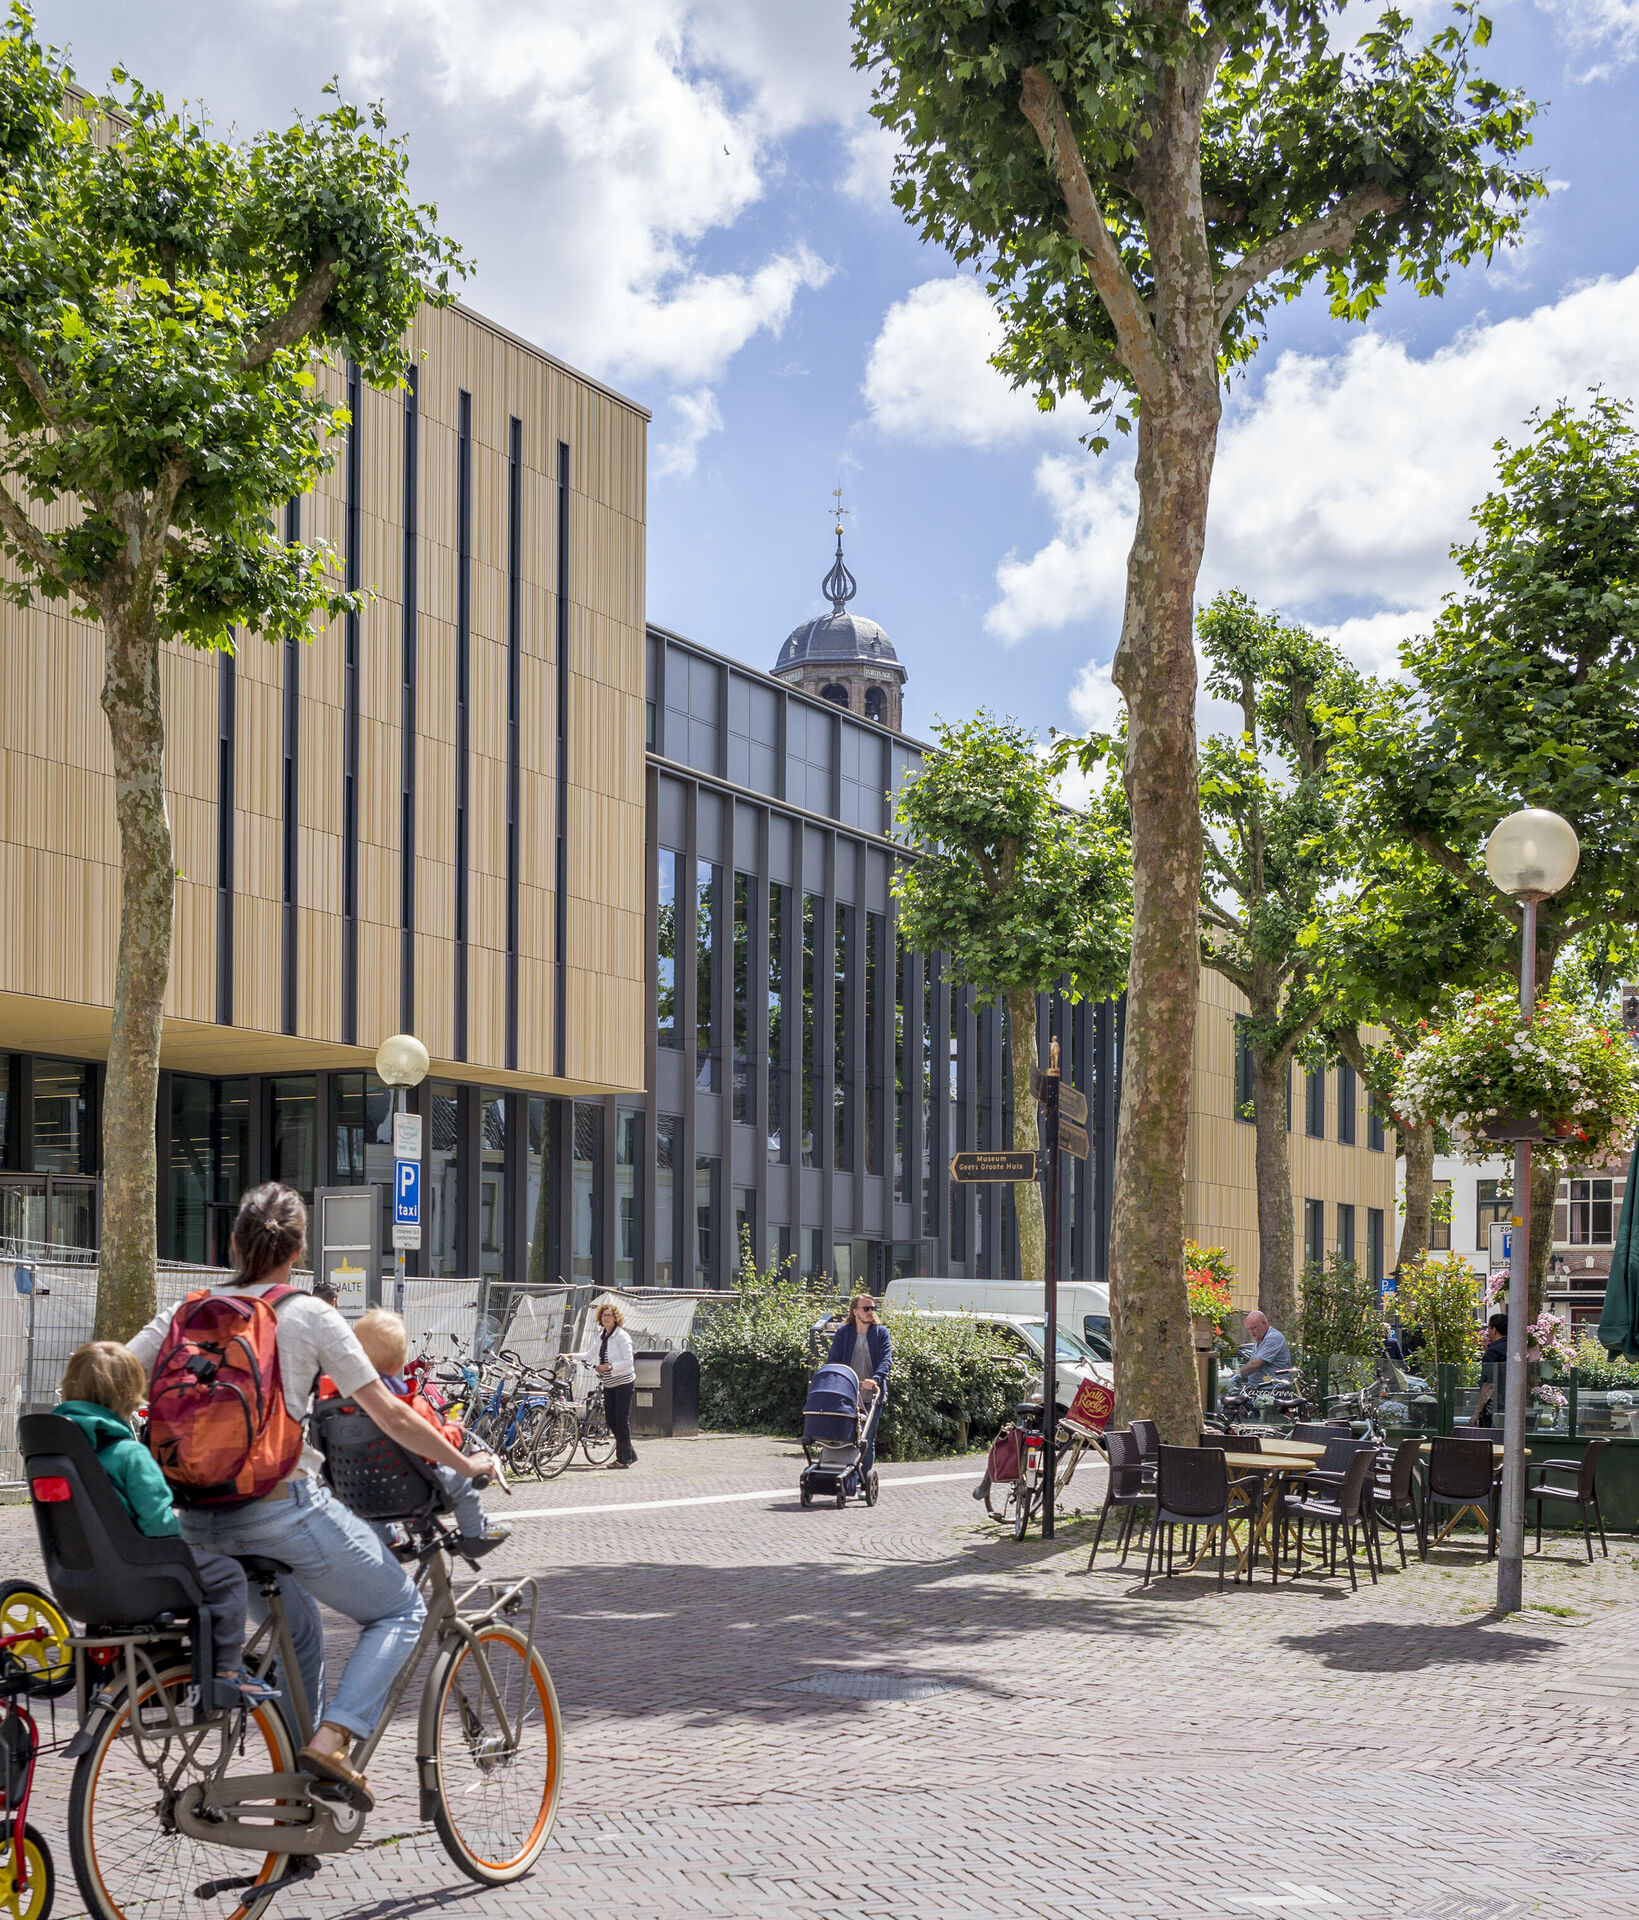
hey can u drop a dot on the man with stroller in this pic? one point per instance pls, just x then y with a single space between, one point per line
864 1344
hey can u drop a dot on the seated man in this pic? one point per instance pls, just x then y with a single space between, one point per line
1264 1358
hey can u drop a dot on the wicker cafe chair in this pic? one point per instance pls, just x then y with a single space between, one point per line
1393 1493
1318 1433
1127 1488
1584 1496
1148 1436
1460 1475
1343 1512
1232 1442
1192 1489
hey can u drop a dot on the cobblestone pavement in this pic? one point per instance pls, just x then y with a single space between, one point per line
1073 1746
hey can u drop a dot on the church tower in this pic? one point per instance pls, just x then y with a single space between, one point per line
842 656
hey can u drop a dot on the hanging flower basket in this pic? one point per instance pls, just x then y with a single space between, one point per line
1491 1074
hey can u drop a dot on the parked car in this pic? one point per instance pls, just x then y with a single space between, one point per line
1025 1336
1084 1305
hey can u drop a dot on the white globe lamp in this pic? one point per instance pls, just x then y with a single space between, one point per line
402 1061
1532 854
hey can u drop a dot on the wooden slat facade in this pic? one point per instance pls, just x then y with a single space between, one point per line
58 840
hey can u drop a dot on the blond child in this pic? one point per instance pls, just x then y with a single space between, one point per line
386 1344
102 1387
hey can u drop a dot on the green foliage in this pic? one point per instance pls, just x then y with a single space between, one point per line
1273 849
1595 1370
1295 127
1526 694
1018 890
953 1381
1339 1310
1439 1297
162 296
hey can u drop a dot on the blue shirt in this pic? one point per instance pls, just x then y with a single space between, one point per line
1275 1354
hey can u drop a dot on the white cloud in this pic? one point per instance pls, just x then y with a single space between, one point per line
1342 482
1607 26
696 415
929 378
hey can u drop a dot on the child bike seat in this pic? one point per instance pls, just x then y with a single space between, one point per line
101 1569
370 1472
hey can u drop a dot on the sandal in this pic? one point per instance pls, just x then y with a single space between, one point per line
335 1772
242 1688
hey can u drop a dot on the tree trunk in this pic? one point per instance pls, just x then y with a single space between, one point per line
1544 1189
1155 671
136 724
1277 1250
1417 1144
1027 1206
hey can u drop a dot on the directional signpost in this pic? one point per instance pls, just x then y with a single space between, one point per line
993 1166
1065 1112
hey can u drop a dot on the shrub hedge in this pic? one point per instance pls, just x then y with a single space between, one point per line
953 1383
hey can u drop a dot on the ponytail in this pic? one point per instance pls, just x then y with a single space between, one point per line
271 1230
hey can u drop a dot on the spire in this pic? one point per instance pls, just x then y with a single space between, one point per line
839 585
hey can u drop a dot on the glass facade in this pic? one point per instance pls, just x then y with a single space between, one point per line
707 893
842 1054
209 1162
707 1171
628 1220
668 1222
584 1200
666 1010
492 1183
1348 1103
745 892
294 1159
779 1078
810 987
874 923
442 1216
1314 1103
1345 1230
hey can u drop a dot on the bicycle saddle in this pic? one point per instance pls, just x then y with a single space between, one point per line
259 1567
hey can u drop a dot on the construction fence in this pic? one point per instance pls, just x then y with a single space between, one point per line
48 1307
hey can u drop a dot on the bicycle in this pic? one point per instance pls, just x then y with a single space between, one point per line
32 1660
563 1427
158 1824
1023 1497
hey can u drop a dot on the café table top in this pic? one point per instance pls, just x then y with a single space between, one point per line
1291 1449
1268 1462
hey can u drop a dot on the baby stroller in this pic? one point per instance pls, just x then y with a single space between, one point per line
838 1424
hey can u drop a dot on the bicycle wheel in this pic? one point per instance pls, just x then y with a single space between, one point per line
33 1902
520 1453
128 1866
26 1608
497 1793
555 1442
597 1442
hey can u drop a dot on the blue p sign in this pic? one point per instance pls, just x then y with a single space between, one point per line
407 1193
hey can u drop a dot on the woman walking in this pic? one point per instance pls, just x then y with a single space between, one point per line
609 1355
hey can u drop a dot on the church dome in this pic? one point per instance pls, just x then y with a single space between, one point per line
838 638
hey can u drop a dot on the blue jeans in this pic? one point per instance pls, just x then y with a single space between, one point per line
335 1559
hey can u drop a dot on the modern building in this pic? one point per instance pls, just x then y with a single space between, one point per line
635 897
431 818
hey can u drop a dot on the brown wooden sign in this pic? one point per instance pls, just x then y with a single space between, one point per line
1072 1105
993 1166
1073 1139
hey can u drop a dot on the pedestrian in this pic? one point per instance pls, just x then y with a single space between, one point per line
609 1355
863 1343
1493 1373
324 1288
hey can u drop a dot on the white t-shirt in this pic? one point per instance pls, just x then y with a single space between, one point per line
313 1338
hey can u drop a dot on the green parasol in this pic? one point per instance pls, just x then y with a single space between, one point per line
1619 1323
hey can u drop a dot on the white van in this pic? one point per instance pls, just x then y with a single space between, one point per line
1024 1336
1084 1305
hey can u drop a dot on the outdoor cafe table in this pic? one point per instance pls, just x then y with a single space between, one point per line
1295 1458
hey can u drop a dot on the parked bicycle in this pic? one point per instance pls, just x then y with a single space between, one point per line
175 1810
566 1426
1017 1499
510 1420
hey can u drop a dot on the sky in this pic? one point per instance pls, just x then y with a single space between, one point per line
691 202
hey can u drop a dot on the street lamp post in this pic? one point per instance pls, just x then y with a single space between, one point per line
1530 856
401 1063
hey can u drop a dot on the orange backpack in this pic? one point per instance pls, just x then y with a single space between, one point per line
217 1420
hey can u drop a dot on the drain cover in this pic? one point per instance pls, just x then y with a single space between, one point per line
856 1685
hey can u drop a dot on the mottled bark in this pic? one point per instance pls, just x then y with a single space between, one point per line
1417 1144
1277 1234
1027 1205
136 725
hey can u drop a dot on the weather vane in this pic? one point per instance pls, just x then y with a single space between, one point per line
839 510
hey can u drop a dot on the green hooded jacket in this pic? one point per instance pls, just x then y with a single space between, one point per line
132 1468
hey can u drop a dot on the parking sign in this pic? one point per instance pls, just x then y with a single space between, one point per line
407 1203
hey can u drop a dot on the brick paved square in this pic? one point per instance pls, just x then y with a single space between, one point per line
1072 1746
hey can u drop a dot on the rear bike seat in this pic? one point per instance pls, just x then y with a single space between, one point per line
99 1567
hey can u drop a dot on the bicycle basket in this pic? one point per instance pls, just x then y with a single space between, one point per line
370 1473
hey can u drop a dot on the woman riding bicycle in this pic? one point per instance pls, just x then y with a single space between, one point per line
334 1558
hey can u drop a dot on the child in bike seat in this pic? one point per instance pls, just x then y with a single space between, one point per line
102 1387
386 1344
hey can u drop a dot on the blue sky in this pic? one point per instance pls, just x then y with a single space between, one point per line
690 201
